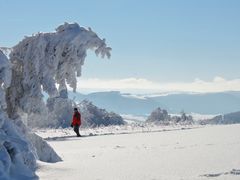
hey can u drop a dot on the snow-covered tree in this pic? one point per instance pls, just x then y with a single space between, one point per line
93 116
38 63
159 115
46 59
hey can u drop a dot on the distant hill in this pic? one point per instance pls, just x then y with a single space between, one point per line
230 118
207 103
119 103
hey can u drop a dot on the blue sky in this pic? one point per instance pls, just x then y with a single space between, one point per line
161 41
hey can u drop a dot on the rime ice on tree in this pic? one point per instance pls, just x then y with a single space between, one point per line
38 63
45 59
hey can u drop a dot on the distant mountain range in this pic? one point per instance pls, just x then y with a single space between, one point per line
207 103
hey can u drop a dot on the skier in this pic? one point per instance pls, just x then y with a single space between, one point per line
76 122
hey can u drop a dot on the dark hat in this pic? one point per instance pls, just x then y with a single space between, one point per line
75 109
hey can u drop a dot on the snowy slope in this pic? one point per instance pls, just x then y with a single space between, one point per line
199 153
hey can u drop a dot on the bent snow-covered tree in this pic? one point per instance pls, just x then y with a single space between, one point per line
41 61
38 63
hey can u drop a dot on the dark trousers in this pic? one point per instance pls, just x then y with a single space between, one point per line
76 130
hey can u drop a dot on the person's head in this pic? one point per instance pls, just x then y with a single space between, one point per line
75 110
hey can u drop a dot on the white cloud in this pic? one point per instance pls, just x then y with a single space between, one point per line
140 85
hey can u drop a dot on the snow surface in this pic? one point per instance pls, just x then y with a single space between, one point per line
168 153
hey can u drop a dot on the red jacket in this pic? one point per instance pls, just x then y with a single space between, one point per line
76 119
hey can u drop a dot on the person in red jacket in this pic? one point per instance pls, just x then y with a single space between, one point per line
76 122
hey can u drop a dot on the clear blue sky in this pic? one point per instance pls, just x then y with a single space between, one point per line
164 41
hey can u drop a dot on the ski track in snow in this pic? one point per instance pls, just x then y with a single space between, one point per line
174 153
232 172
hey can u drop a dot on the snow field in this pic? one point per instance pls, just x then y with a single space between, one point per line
189 154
